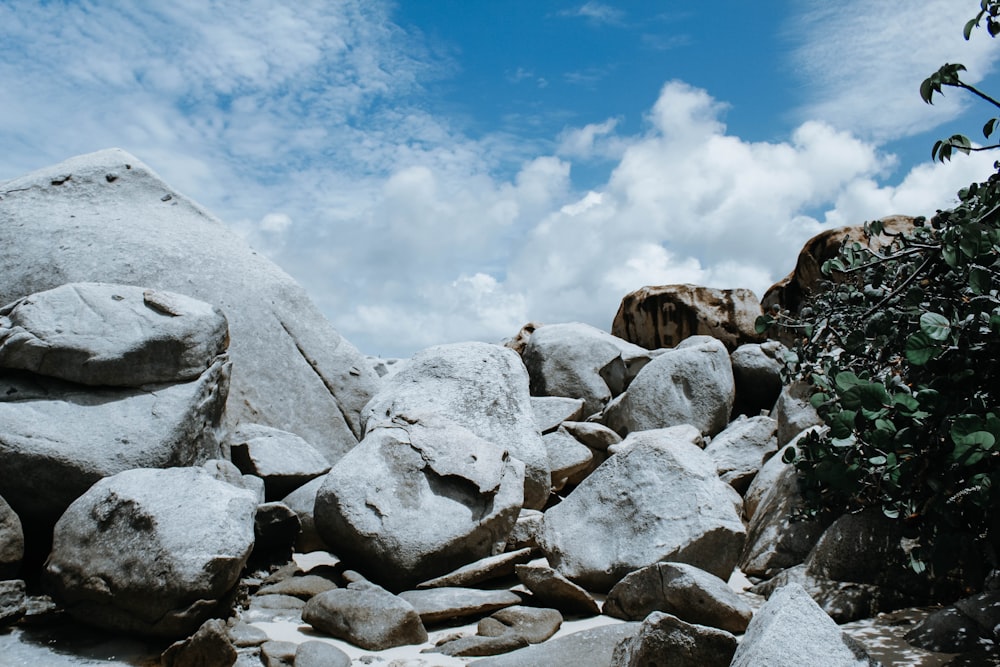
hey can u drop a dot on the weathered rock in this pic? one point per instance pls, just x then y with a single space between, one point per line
113 335
302 501
681 433
476 645
11 541
59 438
690 384
274 601
969 624
320 654
278 653
209 646
658 500
225 471
551 411
551 589
151 551
581 361
739 451
535 624
303 587
244 635
680 589
790 630
663 316
587 648
666 639
794 413
569 459
596 436
282 459
526 529
275 527
757 374
518 341
12 601
843 601
71 223
482 387
485 569
365 615
418 497
446 603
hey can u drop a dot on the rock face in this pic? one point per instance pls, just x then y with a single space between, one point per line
11 541
151 551
739 451
106 217
59 437
655 317
482 387
113 335
686 644
690 384
658 500
418 498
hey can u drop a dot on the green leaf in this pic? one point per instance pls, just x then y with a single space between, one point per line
967 30
920 349
980 280
990 126
935 326
845 380
788 455
905 403
762 324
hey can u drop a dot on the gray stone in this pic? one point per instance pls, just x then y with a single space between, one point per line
739 451
790 630
551 411
244 635
151 551
482 387
367 616
446 603
475 645
666 639
690 384
587 648
111 335
278 653
757 374
535 624
680 589
794 413
417 498
209 646
485 569
320 654
596 436
658 500
69 223
59 438
302 501
843 601
11 541
551 589
282 459
276 601
12 601
526 529
302 587
569 459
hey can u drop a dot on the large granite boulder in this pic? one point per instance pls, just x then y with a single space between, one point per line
664 639
365 615
689 384
663 316
107 217
659 499
480 386
580 361
417 498
58 438
113 335
151 551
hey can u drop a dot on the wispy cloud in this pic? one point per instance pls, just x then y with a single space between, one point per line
597 12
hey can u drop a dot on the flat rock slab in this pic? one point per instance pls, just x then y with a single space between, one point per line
436 605
535 624
587 648
476 645
365 615
303 587
112 335
551 589
320 654
551 411
485 569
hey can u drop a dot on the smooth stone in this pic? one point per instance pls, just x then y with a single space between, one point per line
435 605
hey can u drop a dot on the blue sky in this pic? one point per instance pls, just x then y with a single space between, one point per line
442 170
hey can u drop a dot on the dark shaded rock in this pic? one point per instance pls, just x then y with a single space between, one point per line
11 541
968 625
757 373
13 601
535 624
209 646
435 605
551 589
275 528
303 502
667 640
365 615
588 648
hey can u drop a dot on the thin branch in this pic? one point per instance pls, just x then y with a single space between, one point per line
975 91
896 292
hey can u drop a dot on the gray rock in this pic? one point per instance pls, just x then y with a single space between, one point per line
151 551
485 569
446 603
282 459
276 601
302 587
475 645
551 411
12 601
60 438
842 601
278 653
551 589
666 639
11 541
569 459
682 590
579 361
739 451
526 529
790 630
535 624
596 436
302 501
112 335
66 224
690 384
417 498
587 648
794 413
320 654
367 616
658 500
244 635
209 646
224 471
482 387
757 373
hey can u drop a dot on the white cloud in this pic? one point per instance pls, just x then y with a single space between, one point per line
597 12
